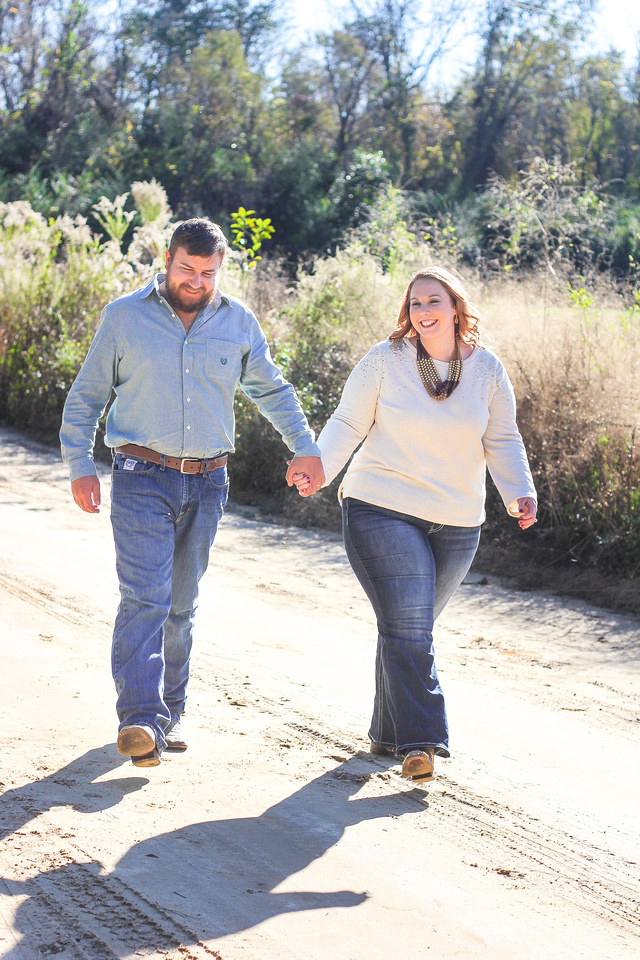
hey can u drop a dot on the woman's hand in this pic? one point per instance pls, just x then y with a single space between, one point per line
303 484
527 508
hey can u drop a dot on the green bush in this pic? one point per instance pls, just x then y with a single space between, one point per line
55 277
573 354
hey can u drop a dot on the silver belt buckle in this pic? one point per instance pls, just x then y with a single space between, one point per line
187 460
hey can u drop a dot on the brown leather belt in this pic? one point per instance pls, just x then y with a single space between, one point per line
186 465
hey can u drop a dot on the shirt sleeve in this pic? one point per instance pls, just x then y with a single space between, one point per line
354 416
504 450
274 396
86 402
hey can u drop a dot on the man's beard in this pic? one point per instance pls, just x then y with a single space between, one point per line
182 301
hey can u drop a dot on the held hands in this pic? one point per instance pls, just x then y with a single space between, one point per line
306 473
86 493
527 508
303 483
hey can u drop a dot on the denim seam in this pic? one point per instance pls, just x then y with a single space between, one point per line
380 699
380 677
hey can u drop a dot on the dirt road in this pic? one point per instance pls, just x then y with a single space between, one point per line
277 836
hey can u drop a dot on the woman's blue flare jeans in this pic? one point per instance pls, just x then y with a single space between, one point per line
409 568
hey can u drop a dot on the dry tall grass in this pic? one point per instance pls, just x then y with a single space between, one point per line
574 358
573 355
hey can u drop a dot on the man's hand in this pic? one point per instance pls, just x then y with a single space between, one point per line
86 493
312 467
528 509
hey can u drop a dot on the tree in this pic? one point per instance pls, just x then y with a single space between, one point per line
24 33
200 139
256 23
350 72
163 35
55 92
517 102
388 30
600 116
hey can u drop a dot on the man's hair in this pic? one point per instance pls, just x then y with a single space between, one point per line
199 237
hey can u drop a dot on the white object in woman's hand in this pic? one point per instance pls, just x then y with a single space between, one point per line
527 508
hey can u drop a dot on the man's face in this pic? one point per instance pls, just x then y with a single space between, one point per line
191 281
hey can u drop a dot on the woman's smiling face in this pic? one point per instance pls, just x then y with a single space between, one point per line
432 313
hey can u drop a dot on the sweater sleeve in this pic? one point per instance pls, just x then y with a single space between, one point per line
504 450
354 416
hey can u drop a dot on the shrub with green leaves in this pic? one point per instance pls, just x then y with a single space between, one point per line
55 277
572 351
546 217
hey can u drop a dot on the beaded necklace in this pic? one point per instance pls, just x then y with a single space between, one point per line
436 388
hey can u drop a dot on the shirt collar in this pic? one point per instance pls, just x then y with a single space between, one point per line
151 287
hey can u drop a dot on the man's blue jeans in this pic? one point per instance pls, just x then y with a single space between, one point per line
409 568
164 523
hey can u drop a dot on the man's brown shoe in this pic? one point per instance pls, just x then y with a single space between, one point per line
151 759
417 765
138 741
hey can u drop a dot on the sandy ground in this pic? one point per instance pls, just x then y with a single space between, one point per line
277 836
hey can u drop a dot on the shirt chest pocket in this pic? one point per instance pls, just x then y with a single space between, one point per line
223 360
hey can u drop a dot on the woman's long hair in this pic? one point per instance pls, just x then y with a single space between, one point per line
468 319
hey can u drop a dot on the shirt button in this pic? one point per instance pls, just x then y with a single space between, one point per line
188 399
187 370
188 428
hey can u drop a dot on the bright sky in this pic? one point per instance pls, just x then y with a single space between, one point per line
617 25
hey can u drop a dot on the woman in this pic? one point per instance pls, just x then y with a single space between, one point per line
431 407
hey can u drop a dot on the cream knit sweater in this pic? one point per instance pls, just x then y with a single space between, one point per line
420 456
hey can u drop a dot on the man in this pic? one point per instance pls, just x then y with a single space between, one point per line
174 353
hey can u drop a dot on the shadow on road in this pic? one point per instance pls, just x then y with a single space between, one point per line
203 881
71 786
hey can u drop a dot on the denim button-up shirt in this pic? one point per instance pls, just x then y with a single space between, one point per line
174 390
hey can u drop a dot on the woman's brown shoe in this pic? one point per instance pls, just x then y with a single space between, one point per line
417 765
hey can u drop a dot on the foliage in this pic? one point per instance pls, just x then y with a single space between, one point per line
55 277
354 192
574 359
151 239
544 218
385 233
200 98
112 216
517 104
575 362
249 233
151 200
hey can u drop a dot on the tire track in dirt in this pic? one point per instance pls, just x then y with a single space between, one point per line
43 597
558 859
541 854
76 911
